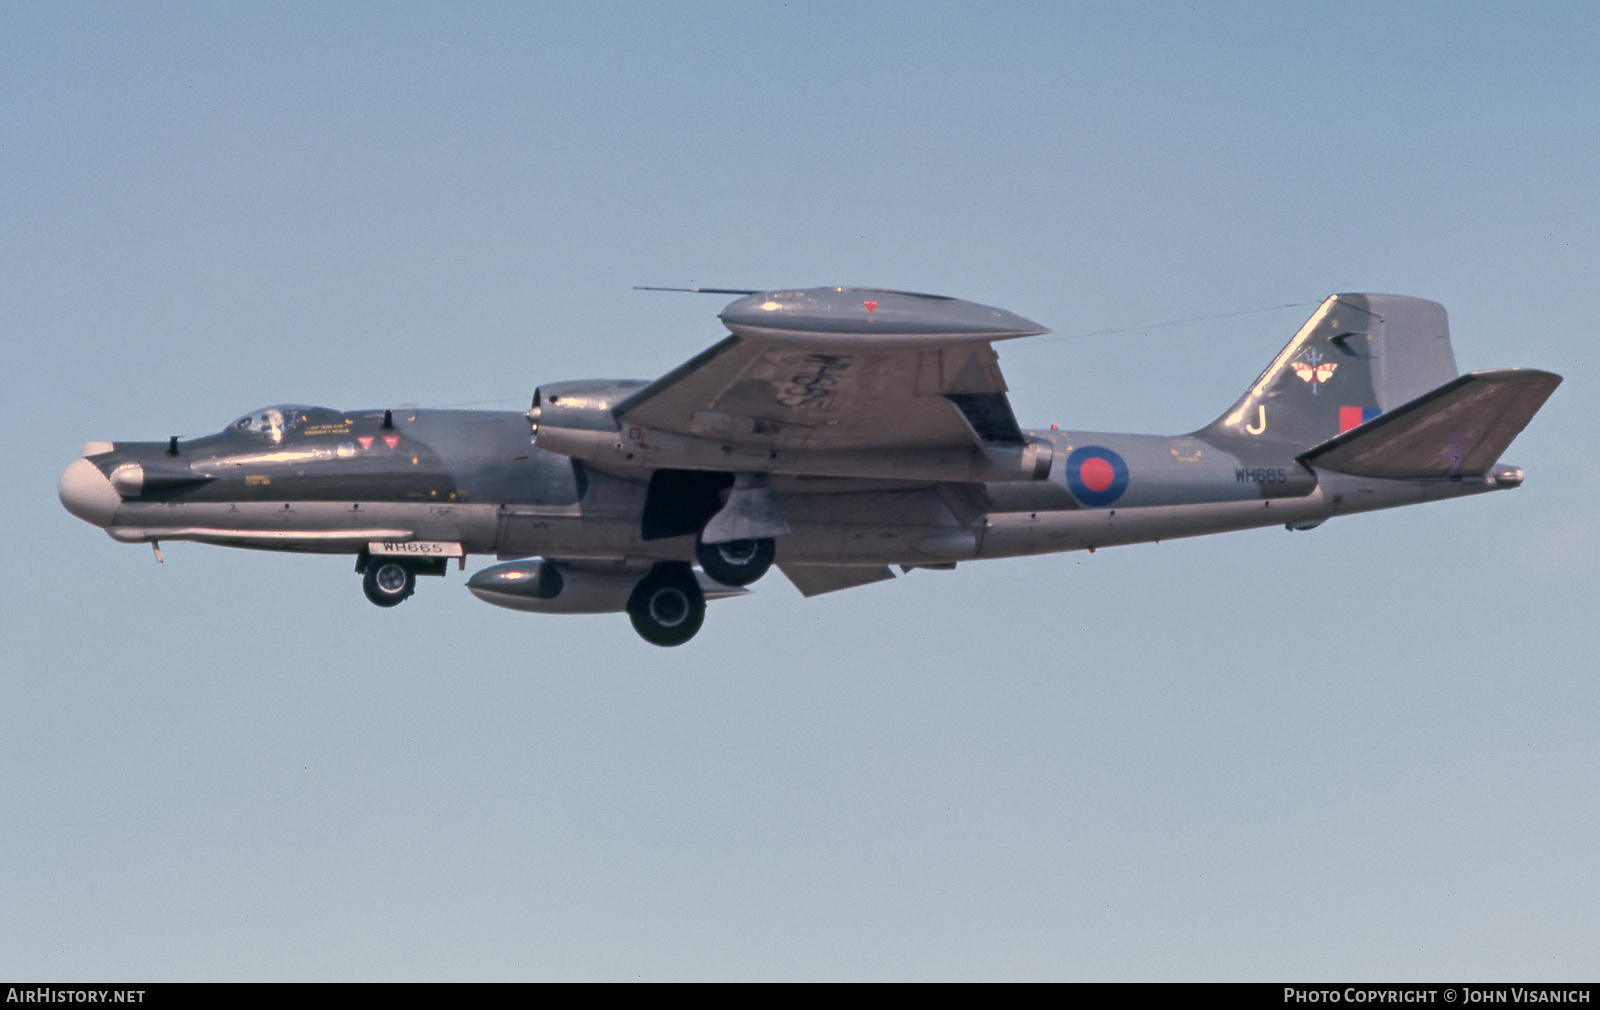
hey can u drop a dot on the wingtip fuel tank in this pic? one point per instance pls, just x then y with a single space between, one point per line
844 317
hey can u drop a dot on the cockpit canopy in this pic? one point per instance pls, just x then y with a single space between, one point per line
272 423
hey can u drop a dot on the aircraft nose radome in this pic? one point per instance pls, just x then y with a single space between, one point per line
87 494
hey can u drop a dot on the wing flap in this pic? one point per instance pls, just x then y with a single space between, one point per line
814 580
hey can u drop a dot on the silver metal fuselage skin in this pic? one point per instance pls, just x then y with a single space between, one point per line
836 433
341 480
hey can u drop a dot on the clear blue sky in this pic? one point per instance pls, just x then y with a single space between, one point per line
1367 751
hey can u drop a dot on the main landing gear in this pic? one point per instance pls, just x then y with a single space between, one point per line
737 562
734 517
667 606
735 546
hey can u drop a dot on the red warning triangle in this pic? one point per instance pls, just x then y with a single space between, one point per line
391 440
365 440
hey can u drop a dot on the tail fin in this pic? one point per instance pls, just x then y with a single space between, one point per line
1356 357
1457 430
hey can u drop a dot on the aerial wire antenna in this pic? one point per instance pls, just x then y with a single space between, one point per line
1032 341
1174 322
636 287
475 403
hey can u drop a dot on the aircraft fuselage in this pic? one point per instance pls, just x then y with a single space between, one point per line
473 478
836 432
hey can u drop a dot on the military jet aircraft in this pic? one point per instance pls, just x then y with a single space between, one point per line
835 433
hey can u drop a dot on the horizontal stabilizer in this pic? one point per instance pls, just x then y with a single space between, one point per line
1457 430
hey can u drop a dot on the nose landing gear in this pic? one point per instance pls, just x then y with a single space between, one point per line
388 583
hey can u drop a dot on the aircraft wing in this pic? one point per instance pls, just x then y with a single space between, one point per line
840 370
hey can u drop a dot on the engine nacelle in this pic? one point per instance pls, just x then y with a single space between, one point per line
548 588
575 419
580 405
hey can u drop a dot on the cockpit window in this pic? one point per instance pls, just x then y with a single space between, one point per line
272 423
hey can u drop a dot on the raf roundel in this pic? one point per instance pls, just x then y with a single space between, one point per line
1096 476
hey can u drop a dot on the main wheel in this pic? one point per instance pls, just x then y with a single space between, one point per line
736 563
388 582
667 607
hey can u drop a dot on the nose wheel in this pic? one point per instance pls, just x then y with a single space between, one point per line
387 583
737 562
667 607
